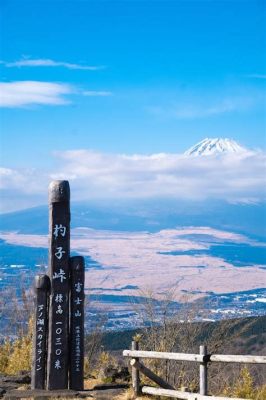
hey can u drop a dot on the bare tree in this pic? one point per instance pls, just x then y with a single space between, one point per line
177 326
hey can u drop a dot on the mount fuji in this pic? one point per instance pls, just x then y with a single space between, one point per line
215 146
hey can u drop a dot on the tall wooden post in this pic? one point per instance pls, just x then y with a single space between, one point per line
203 372
135 372
59 245
39 353
77 274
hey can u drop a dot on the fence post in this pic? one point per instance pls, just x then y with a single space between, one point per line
203 372
38 373
135 372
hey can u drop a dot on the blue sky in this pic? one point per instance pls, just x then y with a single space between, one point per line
131 77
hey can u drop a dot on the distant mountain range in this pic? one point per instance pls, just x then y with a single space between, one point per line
243 335
146 215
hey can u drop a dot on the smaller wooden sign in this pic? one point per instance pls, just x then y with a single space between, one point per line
77 274
38 374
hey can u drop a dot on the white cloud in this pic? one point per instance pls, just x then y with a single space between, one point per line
23 93
234 177
22 188
40 62
29 181
231 177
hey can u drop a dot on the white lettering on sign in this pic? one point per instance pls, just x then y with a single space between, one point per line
59 230
77 349
78 300
38 365
40 323
60 275
57 364
59 309
59 298
58 345
58 341
78 287
59 253
77 313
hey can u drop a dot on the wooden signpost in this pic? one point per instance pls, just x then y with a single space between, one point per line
42 288
77 273
58 351
59 249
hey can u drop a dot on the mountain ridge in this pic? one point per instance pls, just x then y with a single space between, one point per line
146 215
215 146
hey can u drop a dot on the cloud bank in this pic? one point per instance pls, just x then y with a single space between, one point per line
231 177
234 178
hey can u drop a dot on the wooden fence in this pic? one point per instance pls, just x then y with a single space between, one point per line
165 389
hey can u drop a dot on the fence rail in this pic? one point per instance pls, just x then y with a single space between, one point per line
182 395
195 357
165 389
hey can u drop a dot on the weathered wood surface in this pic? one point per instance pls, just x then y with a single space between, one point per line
59 247
151 375
196 357
77 274
182 395
100 392
38 394
135 372
163 355
40 335
203 372
238 359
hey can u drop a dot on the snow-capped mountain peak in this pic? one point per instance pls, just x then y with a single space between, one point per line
215 146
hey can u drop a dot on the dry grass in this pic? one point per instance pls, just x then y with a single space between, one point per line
90 383
128 395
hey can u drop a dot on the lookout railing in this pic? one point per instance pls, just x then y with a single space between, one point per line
167 390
